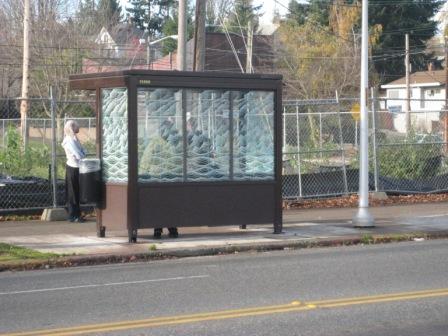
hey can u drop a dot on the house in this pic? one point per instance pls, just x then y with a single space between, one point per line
427 93
121 47
125 47
226 53
121 40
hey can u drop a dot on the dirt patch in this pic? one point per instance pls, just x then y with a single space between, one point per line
351 201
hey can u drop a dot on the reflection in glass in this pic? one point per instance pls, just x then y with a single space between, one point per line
206 152
253 135
160 145
208 135
114 113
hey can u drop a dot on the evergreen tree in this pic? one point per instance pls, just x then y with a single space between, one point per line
216 12
108 13
243 12
316 11
389 21
150 14
396 19
170 27
86 17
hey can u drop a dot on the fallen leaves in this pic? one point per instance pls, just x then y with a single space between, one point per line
352 201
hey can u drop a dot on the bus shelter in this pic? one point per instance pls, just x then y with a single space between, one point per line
182 149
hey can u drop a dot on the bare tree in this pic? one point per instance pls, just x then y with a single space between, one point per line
9 54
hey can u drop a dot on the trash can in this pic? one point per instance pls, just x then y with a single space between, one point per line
90 181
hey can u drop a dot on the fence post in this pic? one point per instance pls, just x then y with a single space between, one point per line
298 151
320 134
284 129
375 158
53 146
4 133
44 138
341 144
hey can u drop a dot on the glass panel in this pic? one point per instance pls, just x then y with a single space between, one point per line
114 121
160 143
253 138
208 135
207 156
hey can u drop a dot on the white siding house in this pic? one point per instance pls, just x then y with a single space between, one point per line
110 47
427 100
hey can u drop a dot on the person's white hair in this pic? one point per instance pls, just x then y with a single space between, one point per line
70 127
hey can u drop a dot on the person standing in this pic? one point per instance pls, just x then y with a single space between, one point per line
74 153
172 137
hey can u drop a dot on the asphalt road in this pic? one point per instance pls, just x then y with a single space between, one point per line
393 289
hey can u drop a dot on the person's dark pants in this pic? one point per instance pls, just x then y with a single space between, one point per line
72 192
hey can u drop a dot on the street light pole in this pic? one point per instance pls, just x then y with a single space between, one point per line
363 218
182 36
25 73
150 43
148 53
445 112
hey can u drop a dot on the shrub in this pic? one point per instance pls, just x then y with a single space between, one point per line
410 160
17 161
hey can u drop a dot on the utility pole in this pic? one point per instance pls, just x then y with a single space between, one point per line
182 36
445 119
25 72
199 37
148 52
250 42
363 218
407 108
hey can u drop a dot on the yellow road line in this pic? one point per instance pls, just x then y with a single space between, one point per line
294 306
154 322
381 298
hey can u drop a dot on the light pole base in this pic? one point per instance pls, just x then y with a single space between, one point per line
363 219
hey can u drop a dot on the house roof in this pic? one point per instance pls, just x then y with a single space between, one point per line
122 33
219 55
420 77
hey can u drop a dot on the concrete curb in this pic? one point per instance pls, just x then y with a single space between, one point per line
104 259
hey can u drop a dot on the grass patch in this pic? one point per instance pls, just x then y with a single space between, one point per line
367 239
11 253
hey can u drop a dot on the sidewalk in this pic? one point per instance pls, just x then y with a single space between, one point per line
299 226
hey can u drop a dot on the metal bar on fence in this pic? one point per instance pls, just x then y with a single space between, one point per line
320 133
284 129
413 99
316 151
53 146
375 157
413 143
299 170
341 143
4 133
45 132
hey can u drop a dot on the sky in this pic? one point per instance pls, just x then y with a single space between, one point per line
268 8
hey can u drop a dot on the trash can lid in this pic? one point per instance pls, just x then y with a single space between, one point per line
89 165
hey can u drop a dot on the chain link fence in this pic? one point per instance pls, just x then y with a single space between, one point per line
320 141
320 149
32 161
